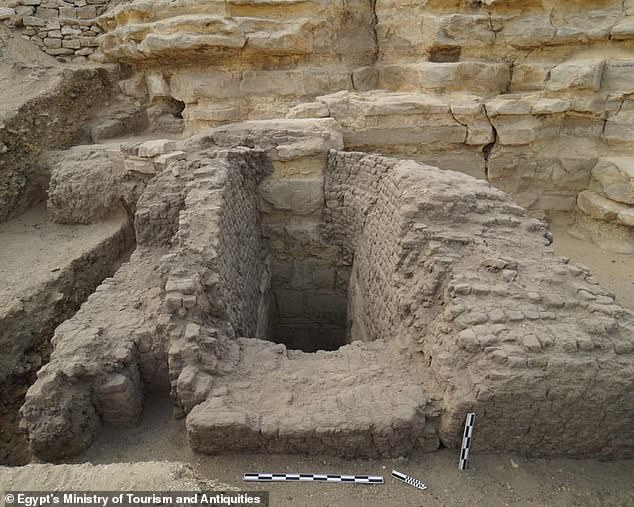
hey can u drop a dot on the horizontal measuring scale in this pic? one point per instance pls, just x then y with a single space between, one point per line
351 479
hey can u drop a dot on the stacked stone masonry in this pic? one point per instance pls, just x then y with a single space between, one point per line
67 30
460 305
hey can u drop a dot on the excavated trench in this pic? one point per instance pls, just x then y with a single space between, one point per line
65 264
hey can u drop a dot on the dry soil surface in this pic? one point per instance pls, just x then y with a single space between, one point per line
491 479
614 271
33 250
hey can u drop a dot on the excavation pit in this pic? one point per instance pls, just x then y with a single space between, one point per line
308 306
445 292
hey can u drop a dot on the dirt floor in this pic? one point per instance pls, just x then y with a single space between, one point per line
33 250
491 480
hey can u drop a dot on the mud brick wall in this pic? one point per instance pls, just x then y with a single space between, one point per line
243 261
156 218
362 214
216 276
66 30
219 271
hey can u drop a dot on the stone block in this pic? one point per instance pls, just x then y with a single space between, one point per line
309 110
86 12
190 86
530 76
599 207
620 127
508 105
613 177
576 75
68 12
365 78
6 13
53 43
46 13
626 217
528 31
517 130
551 106
139 165
33 21
69 30
72 44
619 75
297 195
150 149
477 77
624 29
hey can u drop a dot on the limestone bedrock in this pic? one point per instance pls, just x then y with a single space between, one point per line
530 96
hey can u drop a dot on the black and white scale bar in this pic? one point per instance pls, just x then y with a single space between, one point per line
352 479
466 441
409 480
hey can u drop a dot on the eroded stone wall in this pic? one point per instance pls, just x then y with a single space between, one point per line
457 29
238 60
530 97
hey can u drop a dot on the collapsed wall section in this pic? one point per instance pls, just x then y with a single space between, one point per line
49 110
113 349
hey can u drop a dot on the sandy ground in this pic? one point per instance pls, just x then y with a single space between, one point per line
147 476
33 250
614 271
491 479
